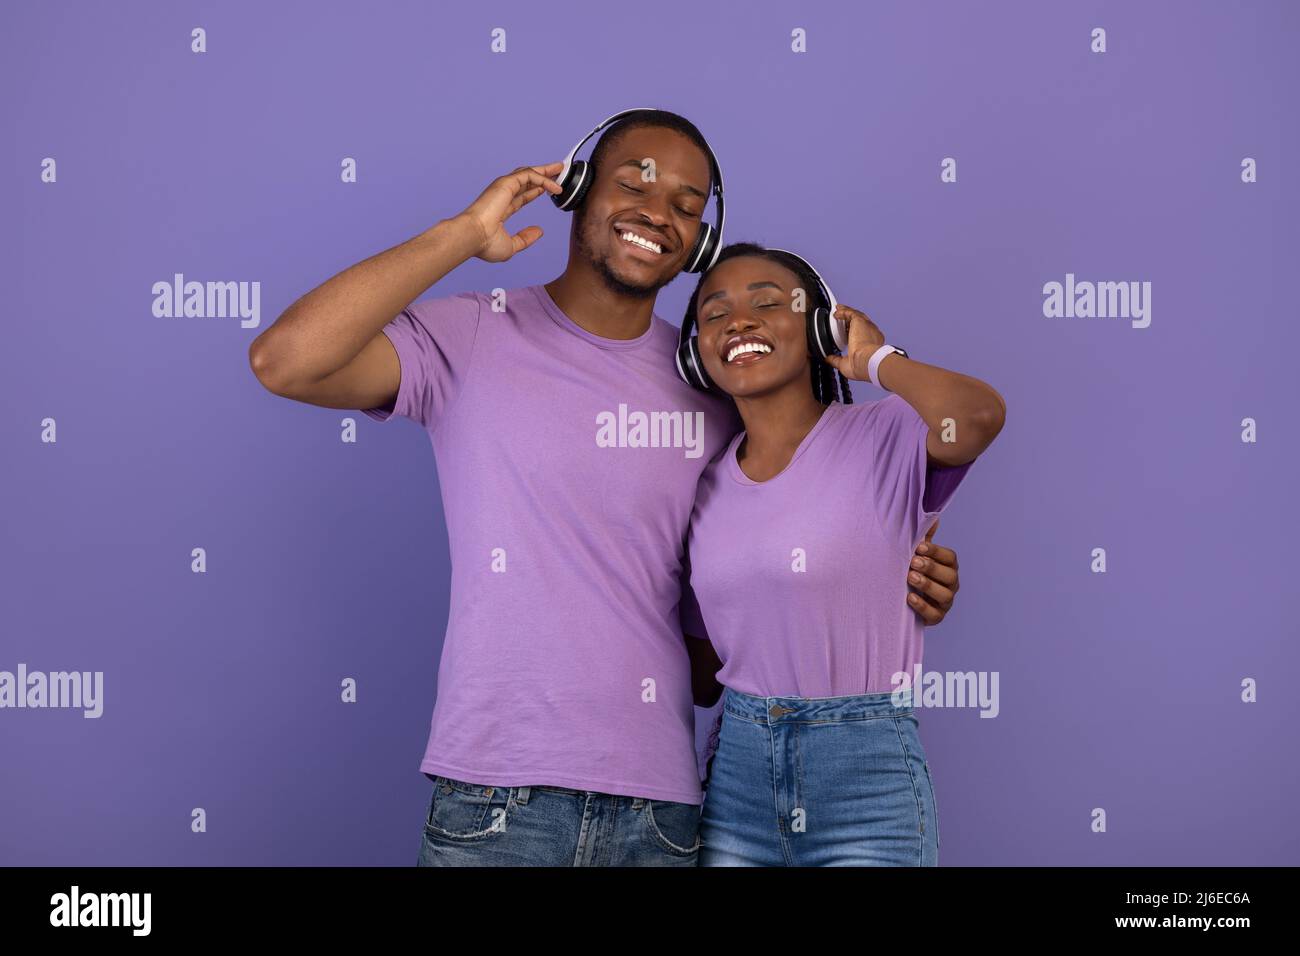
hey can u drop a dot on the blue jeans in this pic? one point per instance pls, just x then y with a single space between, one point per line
469 824
828 781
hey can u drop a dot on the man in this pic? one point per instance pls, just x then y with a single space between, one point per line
568 452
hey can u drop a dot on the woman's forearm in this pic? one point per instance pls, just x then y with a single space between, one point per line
955 406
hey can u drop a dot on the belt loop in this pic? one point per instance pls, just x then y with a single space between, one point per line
638 803
521 795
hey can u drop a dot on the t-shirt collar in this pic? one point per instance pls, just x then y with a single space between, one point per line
563 321
737 473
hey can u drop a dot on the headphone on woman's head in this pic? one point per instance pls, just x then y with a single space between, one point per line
826 335
576 177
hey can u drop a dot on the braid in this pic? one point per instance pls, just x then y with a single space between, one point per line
845 395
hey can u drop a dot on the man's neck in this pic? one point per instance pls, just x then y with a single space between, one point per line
584 297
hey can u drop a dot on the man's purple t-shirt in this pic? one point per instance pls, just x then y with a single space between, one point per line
802 579
568 465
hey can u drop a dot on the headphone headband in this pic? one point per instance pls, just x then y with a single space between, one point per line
568 160
826 289
829 335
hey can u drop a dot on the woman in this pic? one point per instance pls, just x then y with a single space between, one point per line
800 540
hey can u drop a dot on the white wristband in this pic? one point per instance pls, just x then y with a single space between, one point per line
877 357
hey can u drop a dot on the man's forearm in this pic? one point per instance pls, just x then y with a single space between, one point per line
705 665
327 327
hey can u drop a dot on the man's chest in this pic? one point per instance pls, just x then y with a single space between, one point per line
610 444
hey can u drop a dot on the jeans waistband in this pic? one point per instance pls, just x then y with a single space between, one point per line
773 710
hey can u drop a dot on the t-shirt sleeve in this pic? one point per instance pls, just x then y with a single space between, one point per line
909 493
434 339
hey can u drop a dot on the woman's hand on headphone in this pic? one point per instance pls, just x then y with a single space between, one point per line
864 338
504 197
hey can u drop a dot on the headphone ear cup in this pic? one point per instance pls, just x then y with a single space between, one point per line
705 383
821 342
690 368
826 335
574 186
704 251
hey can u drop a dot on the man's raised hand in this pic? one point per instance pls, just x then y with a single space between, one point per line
504 197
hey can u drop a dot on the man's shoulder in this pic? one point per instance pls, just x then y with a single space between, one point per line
665 334
522 297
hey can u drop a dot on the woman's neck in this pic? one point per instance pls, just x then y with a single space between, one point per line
775 424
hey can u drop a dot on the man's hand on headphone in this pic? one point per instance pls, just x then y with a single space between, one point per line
504 197
932 580
864 338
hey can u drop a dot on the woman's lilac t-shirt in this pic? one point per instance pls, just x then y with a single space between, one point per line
802 579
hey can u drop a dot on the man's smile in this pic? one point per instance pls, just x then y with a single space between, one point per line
641 241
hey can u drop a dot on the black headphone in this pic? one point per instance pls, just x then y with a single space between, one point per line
826 336
576 177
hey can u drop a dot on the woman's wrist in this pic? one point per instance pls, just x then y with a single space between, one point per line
876 365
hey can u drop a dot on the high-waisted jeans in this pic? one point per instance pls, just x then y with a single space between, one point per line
826 781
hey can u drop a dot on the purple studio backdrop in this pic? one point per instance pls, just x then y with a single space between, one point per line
941 163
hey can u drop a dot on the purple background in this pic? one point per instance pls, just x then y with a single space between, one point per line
328 560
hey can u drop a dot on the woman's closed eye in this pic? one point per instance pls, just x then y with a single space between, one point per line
760 305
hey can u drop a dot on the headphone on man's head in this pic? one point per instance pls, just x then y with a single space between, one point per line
576 177
826 335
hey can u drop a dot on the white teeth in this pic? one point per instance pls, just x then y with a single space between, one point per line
747 347
643 243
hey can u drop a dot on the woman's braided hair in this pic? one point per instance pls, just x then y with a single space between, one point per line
828 385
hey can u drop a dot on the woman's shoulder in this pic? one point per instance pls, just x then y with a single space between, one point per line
878 424
887 410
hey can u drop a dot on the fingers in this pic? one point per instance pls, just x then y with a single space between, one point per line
926 611
524 185
941 555
859 325
929 535
933 588
928 570
844 314
523 199
840 364
527 177
847 313
550 170
525 237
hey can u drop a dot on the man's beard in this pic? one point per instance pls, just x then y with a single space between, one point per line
613 282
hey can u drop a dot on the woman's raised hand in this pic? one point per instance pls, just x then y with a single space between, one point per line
504 197
864 338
